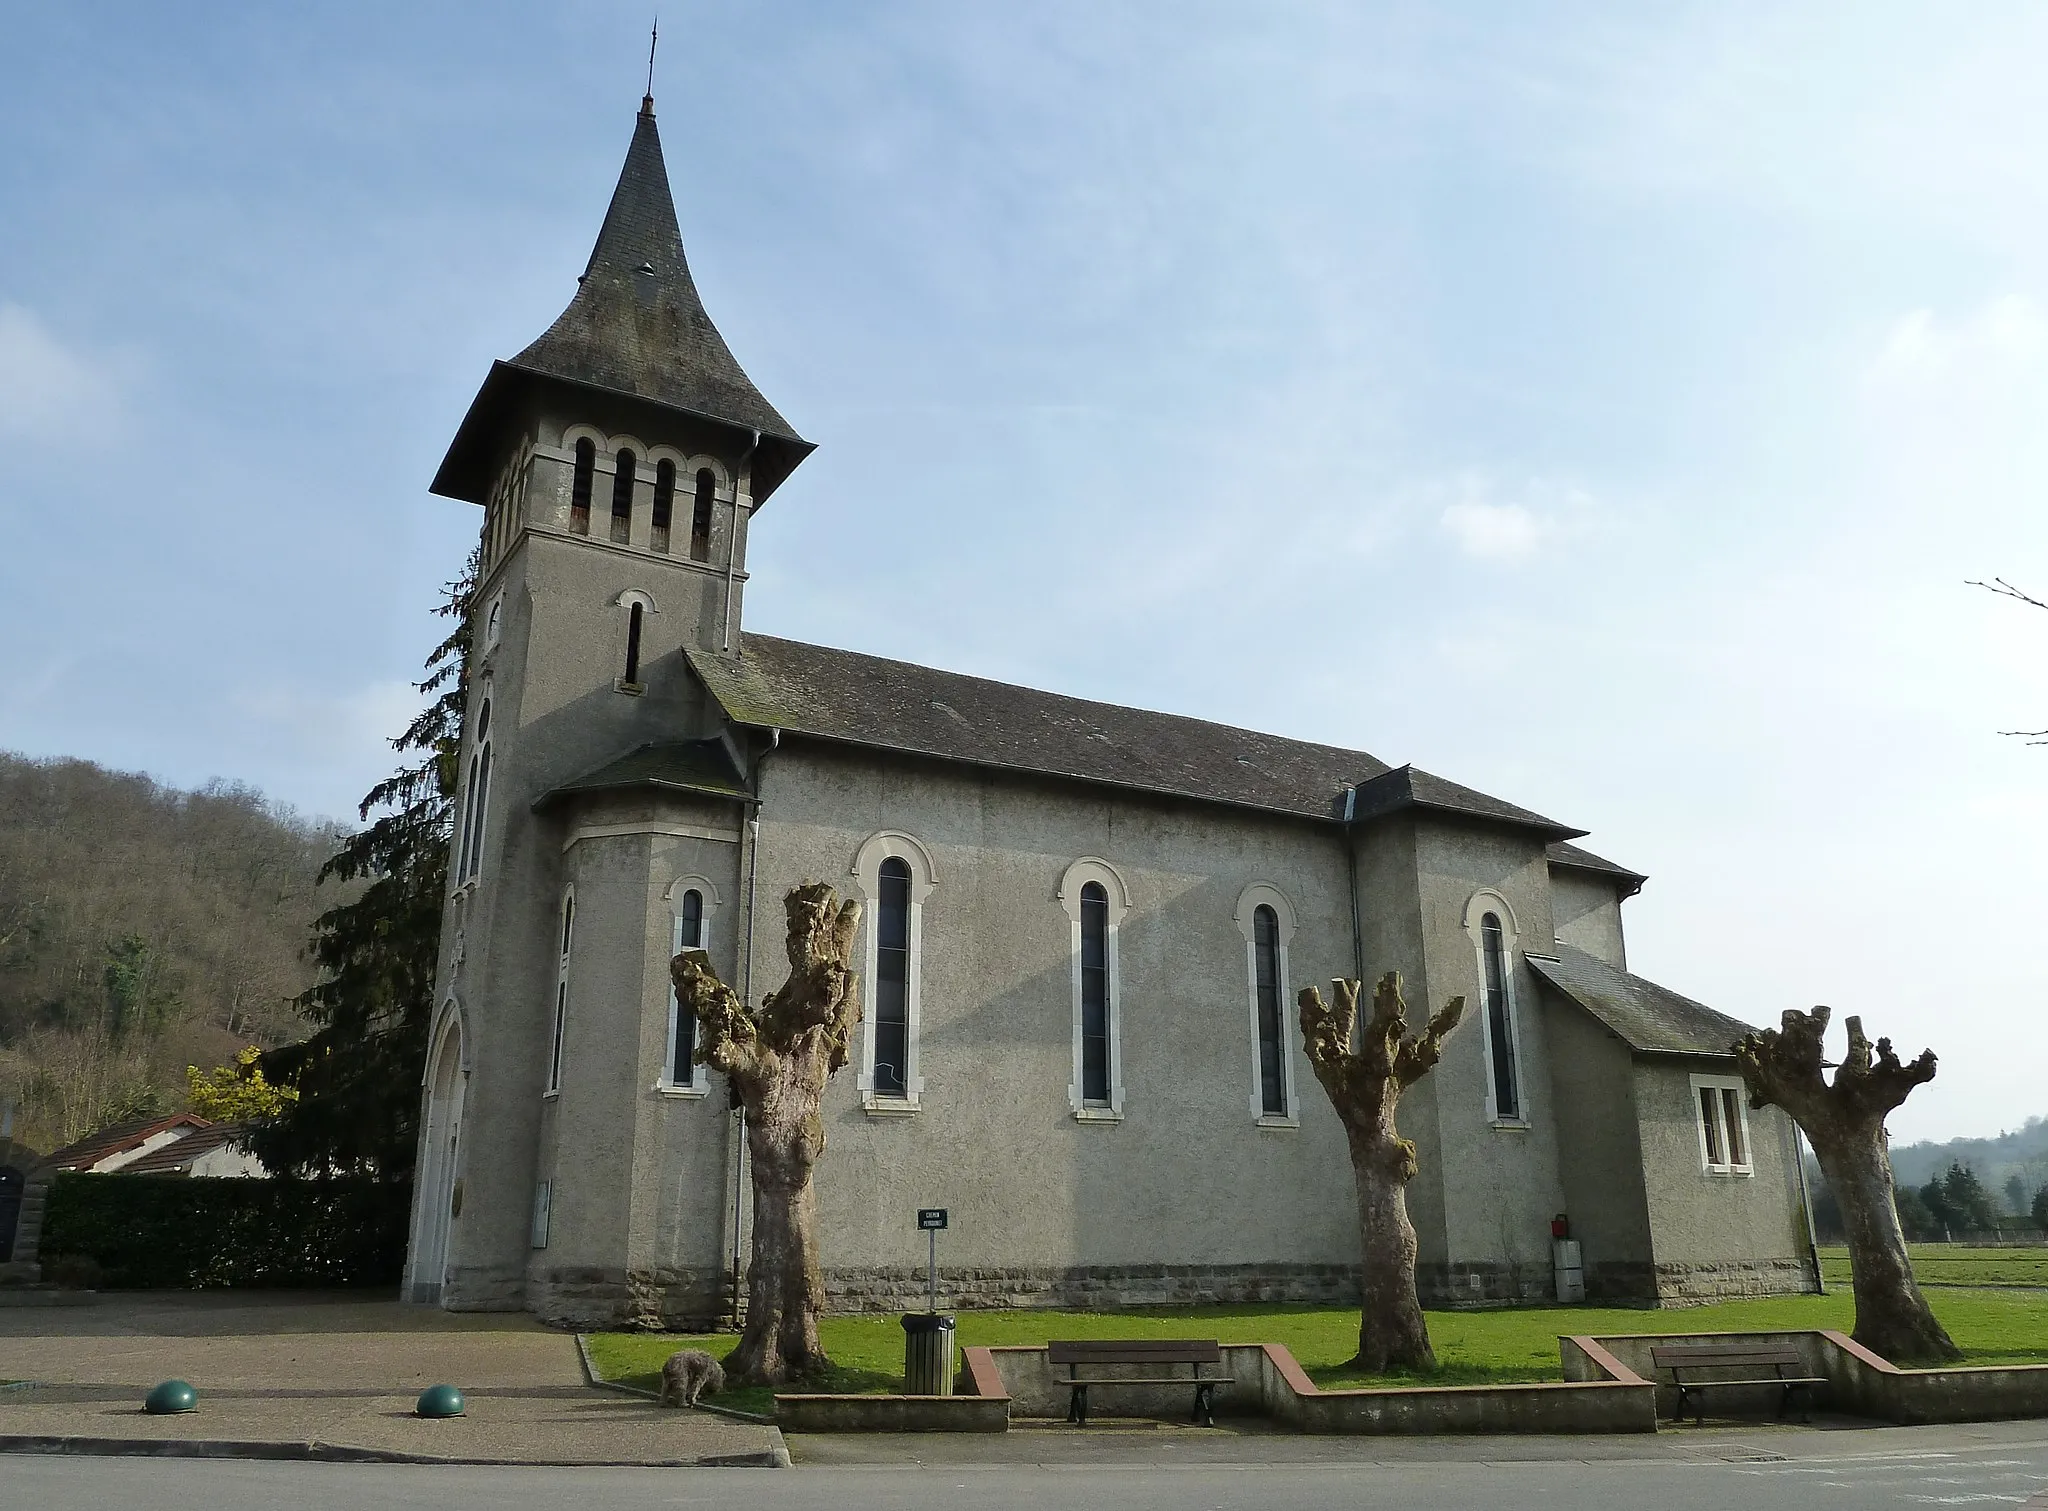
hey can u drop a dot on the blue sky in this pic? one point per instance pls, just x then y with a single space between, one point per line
1601 406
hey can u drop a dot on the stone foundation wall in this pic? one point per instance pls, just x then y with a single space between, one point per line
1091 1287
1683 1283
660 1298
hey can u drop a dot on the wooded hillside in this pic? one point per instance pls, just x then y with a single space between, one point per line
142 929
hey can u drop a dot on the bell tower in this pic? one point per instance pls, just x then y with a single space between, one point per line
618 461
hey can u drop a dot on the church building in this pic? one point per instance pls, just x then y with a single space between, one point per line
1084 930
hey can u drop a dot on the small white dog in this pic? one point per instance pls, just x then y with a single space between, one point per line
688 1374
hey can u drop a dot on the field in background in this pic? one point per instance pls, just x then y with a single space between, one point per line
1954 1264
1992 1326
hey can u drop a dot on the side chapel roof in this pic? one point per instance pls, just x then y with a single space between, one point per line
1648 1018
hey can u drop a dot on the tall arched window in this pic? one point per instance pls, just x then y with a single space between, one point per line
892 979
700 517
1500 1026
689 935
634 616
561 1024
579 492
471 854
627 467
1094 995
664 505
1266 979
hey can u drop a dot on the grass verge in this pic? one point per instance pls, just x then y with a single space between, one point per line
1512 1345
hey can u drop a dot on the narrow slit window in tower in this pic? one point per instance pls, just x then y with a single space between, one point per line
634 616
683 1031
700 517
664 505
579 492
622 498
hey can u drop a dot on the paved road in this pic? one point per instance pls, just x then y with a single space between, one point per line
2003 1473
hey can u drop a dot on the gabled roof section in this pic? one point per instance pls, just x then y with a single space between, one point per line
1406 787
1569 857
1648 1018
696 766
179 1155
894 705
83 1153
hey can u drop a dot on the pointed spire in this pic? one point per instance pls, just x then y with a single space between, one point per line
637 325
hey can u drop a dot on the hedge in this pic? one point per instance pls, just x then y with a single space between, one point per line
162 1232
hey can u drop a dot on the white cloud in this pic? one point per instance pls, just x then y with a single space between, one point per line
2008 336
44 383
1495 531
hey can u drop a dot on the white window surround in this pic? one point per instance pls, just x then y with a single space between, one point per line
1726 1166
1256 895
494 620
476 791
1483 902
626 602
1078 875
866 870
699 1083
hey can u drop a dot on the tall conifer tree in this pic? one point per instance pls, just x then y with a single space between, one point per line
358 1076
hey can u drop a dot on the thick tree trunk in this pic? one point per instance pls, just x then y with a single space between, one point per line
1844 1121
1893 1319
1365 1080
778 1061
1391 1331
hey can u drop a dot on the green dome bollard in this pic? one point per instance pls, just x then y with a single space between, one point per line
439 1401
169 1398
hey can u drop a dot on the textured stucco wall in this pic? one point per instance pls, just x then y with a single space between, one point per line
1717 1235
1187 1177
1594 1088
1587 913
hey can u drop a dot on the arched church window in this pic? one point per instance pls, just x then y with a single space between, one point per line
627 468
579 490
700 517
682 1032
1500 1026
560 1029
470 857
1266 984
664 505
1094 995
892 979
634 618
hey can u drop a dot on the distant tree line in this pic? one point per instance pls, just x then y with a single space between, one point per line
1953 1205
142 929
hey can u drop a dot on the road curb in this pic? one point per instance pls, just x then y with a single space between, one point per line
776 1456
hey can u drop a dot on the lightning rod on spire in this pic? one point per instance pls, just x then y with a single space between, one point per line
653 40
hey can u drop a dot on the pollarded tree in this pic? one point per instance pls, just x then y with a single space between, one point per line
1844 1121
1365 1080
777 1060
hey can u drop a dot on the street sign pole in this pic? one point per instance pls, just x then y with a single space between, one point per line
932 1273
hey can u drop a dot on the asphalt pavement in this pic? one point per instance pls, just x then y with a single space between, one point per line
2001 1465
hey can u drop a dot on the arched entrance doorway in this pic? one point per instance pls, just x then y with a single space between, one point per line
11 1183
441 1150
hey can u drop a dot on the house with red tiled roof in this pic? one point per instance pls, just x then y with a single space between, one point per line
183 1143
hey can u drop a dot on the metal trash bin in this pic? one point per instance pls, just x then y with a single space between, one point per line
927 1354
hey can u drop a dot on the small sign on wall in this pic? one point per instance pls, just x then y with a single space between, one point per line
543 1203
932 1218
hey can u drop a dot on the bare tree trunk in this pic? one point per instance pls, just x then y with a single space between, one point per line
1844 1121
778 1060
1365 1086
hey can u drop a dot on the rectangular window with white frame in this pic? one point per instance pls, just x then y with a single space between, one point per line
1721 1112
691 901
558 1031
894 873
1096 900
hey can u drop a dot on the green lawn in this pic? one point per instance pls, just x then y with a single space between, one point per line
1513 1344
1947 1264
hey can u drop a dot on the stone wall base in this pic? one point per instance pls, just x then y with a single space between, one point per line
1679 1284
661 1298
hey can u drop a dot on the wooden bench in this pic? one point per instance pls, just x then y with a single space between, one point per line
1159 1354
1751 1359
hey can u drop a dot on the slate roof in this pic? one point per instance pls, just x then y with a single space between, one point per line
85 1152
1573 858
177 1156
684 765
895 705
635 327
1648 1018
1408 787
